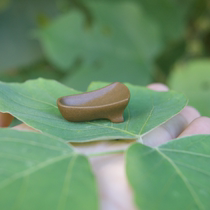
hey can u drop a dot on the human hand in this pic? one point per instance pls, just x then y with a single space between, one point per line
115 192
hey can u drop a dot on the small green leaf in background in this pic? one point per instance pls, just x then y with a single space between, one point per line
42 172
173 176
34 103
193 79
120 44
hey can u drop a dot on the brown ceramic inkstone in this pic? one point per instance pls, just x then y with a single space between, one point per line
105 103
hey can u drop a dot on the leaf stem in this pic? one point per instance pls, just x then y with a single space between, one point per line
106 153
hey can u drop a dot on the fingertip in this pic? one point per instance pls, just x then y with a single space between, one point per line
204 124
200 125
190 113
172 128
158 87
205 119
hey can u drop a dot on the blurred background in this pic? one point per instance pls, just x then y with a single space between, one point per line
136 41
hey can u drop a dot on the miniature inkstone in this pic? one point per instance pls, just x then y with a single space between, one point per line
105 103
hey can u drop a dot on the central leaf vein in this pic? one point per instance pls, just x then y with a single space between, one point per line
184 179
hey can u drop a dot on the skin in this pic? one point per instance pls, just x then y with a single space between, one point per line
115 192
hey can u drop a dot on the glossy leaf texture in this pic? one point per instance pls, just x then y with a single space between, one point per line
120 37
172 176
34 103
42 172
197 85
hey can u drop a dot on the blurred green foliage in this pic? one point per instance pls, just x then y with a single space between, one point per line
193 78
136 41
4 4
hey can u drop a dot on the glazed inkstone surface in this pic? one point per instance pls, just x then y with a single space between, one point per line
105 103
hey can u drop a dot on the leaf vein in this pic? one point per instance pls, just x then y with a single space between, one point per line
184 179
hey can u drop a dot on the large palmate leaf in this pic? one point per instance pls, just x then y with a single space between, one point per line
42 172
34 102
173 176
197 85
120 38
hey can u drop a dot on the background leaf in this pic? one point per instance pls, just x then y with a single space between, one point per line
81 78
169 15
173 176
42 172
4 4
193 79
111 46
40 69
34 102
18 47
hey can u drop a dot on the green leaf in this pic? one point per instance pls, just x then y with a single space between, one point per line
121 38
193 79
42 172
169 15
39 69
34 102
18 47
86 74
173 176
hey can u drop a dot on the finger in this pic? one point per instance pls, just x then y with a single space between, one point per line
200 125
173 127
5 119
24 127
189 113
158 87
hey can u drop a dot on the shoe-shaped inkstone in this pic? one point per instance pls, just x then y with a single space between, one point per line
105 103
